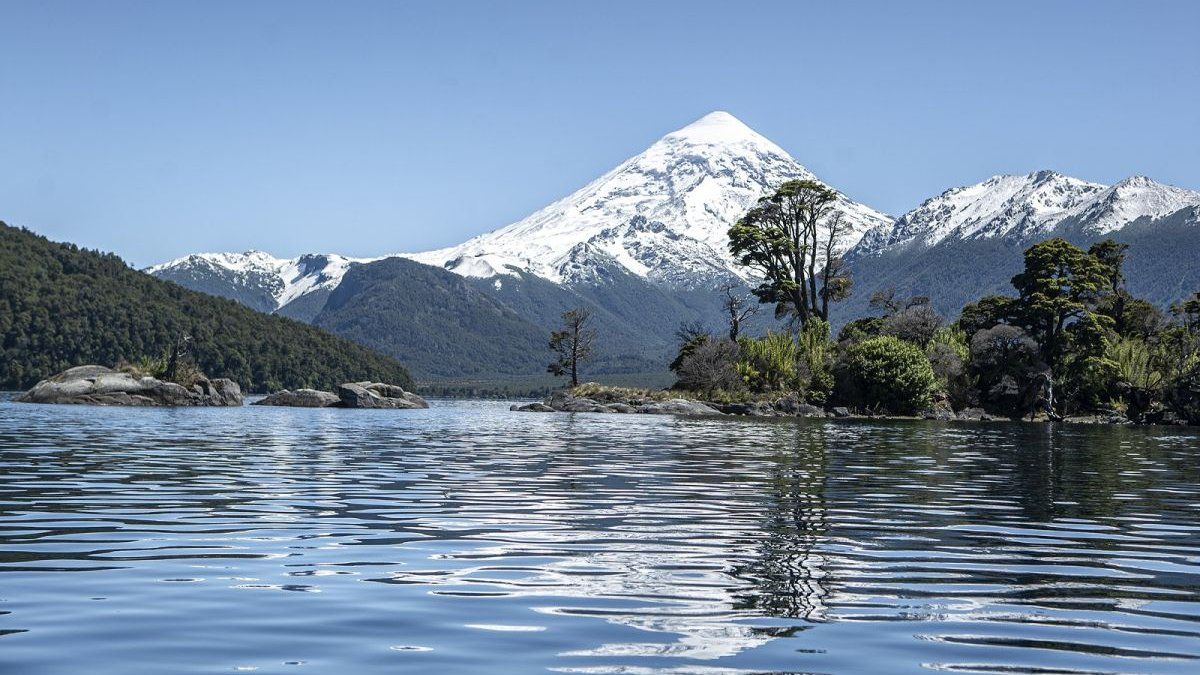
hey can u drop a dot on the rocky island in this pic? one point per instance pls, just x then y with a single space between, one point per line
98 385
349 395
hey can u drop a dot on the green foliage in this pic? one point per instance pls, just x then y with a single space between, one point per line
1136 364
1061 283
886 373
954 338
986 313
62 306
861 329
949 354
768 364
781 240
814 367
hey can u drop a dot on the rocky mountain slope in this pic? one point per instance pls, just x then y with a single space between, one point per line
968 241
297 287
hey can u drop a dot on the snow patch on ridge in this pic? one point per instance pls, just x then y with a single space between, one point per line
1025 207
285 279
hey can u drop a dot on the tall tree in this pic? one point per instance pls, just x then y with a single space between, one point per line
1112 258
573 344
1061 283
786 238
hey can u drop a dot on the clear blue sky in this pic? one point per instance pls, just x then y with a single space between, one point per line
156 129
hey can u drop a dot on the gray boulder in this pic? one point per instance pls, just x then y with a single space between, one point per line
754 409
974 414
378 395
564 402
841 411
677 406
622 408
301 398
97 385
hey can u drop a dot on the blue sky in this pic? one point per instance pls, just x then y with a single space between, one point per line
156 129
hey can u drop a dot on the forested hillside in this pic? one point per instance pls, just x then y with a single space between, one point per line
62 306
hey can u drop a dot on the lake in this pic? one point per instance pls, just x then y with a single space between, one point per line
467 538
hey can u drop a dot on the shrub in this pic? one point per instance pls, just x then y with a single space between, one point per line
814 372
886 373
860 329
768 363
949 355
709 365
916 324
1010 372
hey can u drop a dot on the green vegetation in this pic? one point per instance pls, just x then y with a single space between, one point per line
1072 340
789 239
886 373
62 306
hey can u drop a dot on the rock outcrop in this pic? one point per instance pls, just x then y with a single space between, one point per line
301 398
562 401
377 395
97 385
349 395
677 406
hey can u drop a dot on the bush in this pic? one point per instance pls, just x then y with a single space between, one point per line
709 365
949 355
1010 372
886 373
916 324
860 329
768 363
814 372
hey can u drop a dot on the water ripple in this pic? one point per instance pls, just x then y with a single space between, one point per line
465 538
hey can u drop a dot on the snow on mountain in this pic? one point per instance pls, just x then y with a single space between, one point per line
283 280
999 206
1133 198
1026 207
662 215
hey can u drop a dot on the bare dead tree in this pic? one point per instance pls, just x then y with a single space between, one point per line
179 350
738 308
836 281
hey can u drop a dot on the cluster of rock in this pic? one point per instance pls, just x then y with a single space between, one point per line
348 395
941 410
785 407
788 406
97 385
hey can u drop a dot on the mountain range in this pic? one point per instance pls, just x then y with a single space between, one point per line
644 246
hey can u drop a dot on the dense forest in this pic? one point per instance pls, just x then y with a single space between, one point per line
62 306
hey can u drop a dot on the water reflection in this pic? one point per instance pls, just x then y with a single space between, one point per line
468 538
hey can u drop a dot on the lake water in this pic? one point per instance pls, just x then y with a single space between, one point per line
466 538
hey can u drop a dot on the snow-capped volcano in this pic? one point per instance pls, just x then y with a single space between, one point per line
1027 207
662 215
